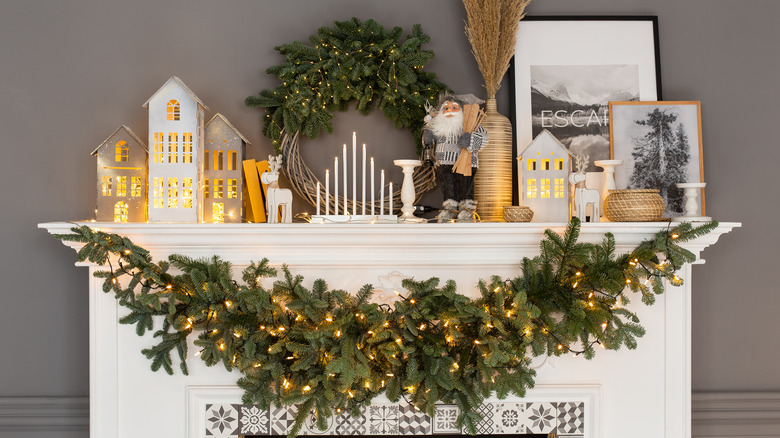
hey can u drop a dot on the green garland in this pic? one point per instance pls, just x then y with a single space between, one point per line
351 61
327 351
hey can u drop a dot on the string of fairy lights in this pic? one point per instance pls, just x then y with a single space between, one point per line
329 351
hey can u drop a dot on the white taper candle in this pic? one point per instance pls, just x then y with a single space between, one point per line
318 198
372 185
346 189
327 191
336 185
363 194
382 192
390 202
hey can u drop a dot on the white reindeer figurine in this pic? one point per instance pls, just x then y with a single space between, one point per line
584 196
275 196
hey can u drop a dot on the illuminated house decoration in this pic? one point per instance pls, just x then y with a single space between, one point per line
223 183
176 125
544 178
121 177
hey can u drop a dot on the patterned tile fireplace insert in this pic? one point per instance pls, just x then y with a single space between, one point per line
564 419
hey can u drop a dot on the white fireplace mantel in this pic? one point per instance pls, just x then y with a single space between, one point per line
644 392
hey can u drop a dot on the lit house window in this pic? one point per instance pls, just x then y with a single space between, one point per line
136 186
173 192
531 164
106 185
120 212
158 193
173 110
217 160
530 188
121 186
217 192
545 164
173 147
187 147
545 187
205 188
231 165
186 192
559 164
559 187
232 189
122 151
159 148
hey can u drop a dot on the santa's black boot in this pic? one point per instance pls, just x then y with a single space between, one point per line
467 210
449 211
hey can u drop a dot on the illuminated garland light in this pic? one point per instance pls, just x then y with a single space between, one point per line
433 341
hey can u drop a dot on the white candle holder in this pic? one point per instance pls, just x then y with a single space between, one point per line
691 203
609 180
407 190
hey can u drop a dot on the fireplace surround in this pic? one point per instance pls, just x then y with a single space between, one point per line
645 392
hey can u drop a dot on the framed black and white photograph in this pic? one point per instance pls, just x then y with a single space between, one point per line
660 145
566 70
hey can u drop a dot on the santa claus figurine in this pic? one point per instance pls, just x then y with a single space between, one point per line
455 140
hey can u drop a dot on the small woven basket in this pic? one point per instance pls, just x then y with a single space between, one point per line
634 205
515 213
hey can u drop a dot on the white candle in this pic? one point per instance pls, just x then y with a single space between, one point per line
354 175
346 190
390 203
363 194
372 185
318 198
327 191
336 185
382 192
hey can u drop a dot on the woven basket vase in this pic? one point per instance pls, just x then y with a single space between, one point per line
493 180
637 205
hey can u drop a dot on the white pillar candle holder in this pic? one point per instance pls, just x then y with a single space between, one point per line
609 179
407 190
691 203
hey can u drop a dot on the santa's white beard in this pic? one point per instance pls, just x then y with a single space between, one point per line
448 127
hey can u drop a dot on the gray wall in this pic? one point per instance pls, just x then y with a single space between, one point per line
72 71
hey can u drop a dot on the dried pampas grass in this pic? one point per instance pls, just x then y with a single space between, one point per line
491 28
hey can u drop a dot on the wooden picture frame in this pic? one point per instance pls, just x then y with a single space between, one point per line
660 144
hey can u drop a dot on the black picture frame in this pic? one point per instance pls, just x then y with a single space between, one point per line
580 42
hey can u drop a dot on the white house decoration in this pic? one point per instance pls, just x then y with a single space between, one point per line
223 177
121 177
544 178
176 125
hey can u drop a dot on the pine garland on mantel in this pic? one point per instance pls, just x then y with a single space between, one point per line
327 351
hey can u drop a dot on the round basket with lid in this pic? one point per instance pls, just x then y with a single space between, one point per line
634 205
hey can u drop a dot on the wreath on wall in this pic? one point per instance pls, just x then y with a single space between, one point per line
326 350
353 61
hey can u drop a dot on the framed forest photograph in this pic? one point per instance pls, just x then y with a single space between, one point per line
566 70
660 145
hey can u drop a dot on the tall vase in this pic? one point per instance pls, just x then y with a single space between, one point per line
493 181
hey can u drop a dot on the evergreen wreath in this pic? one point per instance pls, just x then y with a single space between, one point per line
327 351
352 61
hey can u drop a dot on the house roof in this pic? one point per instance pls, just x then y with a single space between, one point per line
183 86
129 131
230 125
547 134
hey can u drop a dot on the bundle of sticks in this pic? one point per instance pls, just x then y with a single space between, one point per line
472 119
